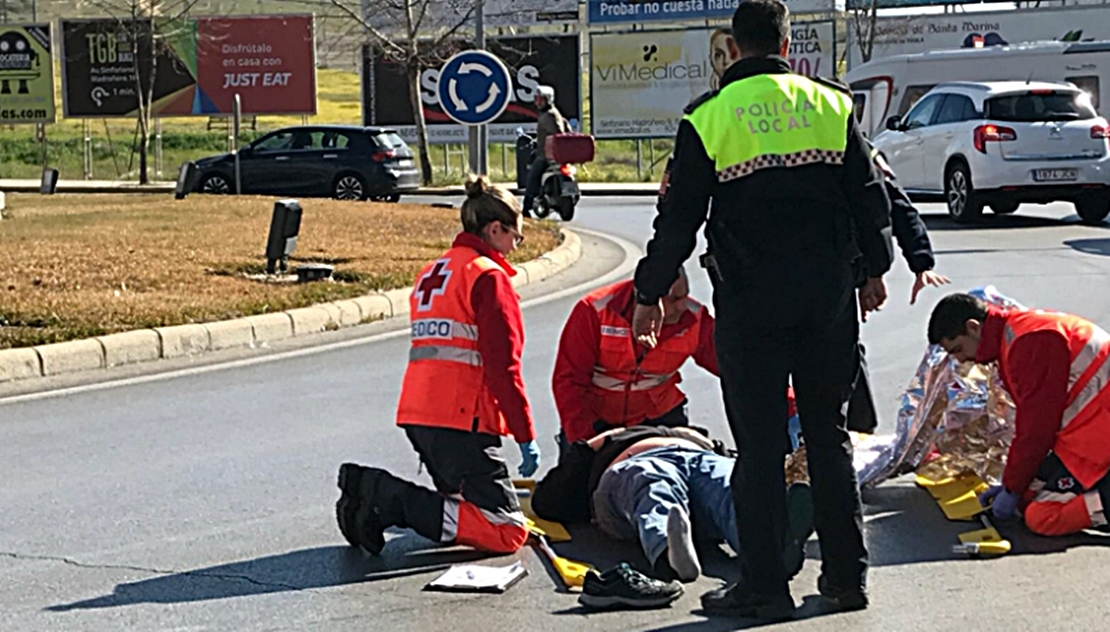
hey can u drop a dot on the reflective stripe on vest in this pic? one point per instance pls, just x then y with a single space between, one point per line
469 357
773 120
643 381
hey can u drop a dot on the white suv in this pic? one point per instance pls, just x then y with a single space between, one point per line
1002 144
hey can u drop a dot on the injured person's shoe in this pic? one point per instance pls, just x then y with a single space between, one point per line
624 587
741 602
799 514
680 546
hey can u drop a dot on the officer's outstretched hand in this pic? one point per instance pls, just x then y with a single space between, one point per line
647 324
529 458
927 278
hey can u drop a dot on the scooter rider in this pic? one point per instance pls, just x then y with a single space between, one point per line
550 121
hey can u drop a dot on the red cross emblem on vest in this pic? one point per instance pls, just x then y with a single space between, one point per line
431 285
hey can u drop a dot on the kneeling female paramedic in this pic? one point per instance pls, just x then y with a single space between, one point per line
462 392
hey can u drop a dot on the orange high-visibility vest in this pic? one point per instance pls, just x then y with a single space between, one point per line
1083 441
444 384
626 394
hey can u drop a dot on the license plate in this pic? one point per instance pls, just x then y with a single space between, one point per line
570 188
404 163
1055 175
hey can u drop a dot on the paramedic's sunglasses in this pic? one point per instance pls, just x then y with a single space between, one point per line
518 237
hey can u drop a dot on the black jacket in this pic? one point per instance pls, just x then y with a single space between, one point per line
785 239
909 230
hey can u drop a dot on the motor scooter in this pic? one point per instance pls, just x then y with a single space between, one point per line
558 187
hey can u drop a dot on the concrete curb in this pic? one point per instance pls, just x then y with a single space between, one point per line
588 189
144 345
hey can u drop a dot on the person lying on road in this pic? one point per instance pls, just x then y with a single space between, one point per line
659 486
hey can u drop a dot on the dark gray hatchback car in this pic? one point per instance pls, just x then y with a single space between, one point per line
346 162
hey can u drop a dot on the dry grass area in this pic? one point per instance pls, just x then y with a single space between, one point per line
73 266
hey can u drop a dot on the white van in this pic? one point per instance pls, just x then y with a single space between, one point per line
889 87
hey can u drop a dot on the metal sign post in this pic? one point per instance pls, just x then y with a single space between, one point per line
236 118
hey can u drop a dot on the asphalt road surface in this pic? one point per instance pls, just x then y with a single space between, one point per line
202 498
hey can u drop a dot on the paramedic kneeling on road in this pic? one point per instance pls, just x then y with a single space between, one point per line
1055 367
462 392
604 379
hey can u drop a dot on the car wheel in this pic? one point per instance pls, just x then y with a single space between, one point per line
1004 208
963 202
1093 209
349 186
215 184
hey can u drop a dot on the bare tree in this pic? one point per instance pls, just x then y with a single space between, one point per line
150 27
417 34
864 20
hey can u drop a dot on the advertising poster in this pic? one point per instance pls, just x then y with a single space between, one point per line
532 62
26 74
641 81
905 35
201 64
639 11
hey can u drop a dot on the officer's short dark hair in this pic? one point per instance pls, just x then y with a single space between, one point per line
951 314
760 27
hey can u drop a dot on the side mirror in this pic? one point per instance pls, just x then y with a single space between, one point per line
245 150
894 124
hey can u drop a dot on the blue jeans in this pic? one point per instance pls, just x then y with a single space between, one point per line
634 496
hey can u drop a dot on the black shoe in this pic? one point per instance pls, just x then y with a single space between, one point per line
799 516
346 509
841 599
737 601
368 519
623 586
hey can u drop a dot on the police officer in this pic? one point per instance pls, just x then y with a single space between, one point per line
795 199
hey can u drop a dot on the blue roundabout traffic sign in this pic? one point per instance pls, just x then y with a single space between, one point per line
474 87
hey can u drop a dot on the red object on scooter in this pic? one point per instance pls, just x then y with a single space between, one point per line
569 148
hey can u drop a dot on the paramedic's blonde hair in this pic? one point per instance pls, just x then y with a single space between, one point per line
487 203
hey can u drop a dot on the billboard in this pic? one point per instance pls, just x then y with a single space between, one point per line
639 11
896 4
201 64
532 61
640 81
26 74
449 14
903 35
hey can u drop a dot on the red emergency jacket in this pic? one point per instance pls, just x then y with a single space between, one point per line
450 382
601 374
1081 421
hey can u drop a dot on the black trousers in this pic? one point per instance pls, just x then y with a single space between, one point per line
461 464
862 416
819 349
533 182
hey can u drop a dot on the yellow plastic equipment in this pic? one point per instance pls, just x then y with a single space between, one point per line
572 573
958 498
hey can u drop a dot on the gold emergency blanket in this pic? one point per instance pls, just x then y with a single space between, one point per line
953 419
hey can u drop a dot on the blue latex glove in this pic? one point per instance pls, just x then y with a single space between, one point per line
529 458
1004 506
